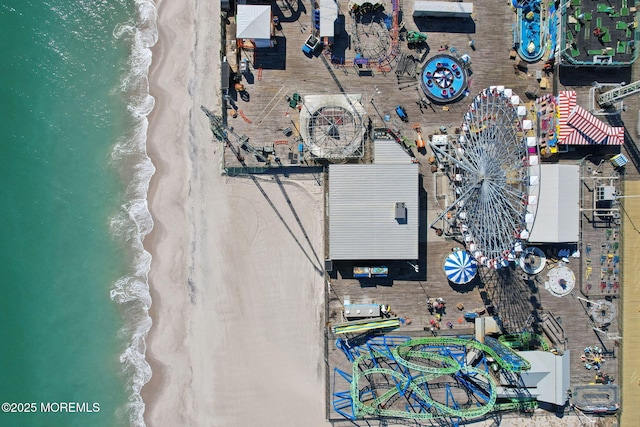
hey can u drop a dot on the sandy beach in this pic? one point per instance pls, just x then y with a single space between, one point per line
236 274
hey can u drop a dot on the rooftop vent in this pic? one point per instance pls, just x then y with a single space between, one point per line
401 213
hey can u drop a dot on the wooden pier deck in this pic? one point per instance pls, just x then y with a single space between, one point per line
281 71
286 70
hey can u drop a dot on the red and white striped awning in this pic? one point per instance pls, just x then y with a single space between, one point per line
566 105
615 135
579 127
588 125
576 138
545 97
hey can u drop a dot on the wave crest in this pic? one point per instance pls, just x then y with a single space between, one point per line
133 222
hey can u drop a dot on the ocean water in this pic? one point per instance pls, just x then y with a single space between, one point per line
74 176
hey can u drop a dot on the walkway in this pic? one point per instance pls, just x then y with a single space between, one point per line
630 370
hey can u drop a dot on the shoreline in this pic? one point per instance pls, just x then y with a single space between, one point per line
165 195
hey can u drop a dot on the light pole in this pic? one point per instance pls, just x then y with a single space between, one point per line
376 91
415 266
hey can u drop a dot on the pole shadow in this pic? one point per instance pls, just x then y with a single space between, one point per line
295 214
318 268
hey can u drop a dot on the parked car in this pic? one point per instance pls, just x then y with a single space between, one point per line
402 113
310 45
244 65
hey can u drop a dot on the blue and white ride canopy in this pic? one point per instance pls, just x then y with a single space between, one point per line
460 267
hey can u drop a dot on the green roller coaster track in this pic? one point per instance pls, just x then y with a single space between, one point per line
524 341
407 358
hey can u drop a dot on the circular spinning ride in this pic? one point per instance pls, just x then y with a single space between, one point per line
443 78
603 312
333 126
492 173
460 268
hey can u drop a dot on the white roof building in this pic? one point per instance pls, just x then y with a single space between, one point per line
328 16
548 379
557 218
373 211
254 22
442 9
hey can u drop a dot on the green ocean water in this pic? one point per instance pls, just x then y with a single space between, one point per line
73 181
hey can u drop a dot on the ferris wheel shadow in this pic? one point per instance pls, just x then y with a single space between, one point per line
509 294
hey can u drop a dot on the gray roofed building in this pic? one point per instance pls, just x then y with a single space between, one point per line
548 379
389 151
367 218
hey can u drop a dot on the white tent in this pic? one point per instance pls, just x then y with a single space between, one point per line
254 22
558 216
328 16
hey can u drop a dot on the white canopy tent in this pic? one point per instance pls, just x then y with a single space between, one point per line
558 214
442 9
254 22
328 16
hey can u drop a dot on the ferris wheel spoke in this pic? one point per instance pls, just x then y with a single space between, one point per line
510 191
461 163
513 206
507 211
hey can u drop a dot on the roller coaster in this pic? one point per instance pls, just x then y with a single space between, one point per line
426 378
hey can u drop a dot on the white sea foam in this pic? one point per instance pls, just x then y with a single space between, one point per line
134 221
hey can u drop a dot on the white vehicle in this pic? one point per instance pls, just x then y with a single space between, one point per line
244 65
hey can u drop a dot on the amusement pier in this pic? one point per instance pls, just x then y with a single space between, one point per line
480 173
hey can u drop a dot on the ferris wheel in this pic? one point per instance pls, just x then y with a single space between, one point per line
492 173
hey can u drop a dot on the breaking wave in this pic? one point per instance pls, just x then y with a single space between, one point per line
133 222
